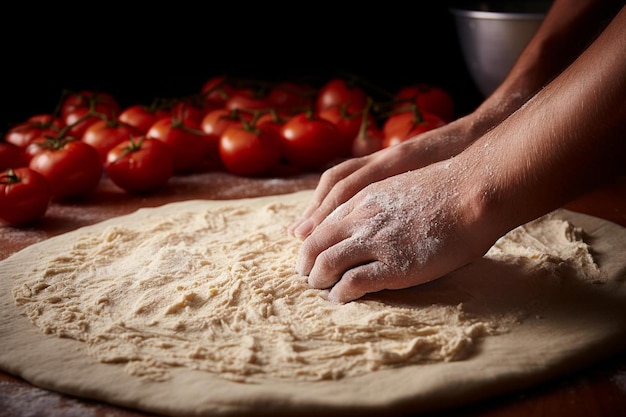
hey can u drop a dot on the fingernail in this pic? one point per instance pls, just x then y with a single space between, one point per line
299 267
334 298
292 227
304 229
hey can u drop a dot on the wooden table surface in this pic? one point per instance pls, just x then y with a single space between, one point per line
596 391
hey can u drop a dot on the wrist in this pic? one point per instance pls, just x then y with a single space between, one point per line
491 201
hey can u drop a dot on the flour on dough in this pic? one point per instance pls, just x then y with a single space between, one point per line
212 287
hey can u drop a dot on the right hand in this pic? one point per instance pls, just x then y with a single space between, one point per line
341 182
402 231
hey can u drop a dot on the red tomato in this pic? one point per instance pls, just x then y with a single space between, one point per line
367 141
79 120
24 133
250 151
429 99
103 135
140 166
311 143
193 109
24 196
290 96
80 109
248 99
142 117
338 92
405 125
348 120
37 145
274 120
72 167
11 156
46 120
217 89
188 143
97 101
398 121
215 122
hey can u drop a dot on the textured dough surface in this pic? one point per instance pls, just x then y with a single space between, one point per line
193 308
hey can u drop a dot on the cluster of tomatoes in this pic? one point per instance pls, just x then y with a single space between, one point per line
245 128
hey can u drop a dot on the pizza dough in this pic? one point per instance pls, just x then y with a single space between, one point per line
193 308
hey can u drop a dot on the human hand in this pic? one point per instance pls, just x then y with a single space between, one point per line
395 233
343 181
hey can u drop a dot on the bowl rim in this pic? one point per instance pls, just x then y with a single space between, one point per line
482 14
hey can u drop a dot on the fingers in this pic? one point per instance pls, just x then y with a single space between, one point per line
326 237
327 185
358 281
345 265
329 266
334 257
327 198
339 183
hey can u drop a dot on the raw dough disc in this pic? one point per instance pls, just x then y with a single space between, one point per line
566 324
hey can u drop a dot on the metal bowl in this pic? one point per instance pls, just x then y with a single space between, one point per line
493 34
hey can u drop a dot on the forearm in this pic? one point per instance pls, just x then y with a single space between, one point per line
566 139
568 28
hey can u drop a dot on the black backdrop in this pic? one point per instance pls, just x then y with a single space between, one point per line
170 50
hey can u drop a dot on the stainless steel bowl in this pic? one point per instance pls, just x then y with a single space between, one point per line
493 34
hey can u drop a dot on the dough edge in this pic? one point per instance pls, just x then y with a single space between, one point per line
498 368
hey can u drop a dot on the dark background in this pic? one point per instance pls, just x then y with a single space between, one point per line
171 49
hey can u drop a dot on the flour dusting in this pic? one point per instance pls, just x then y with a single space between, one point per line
212 287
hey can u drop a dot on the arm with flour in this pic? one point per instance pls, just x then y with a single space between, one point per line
418 225
568 28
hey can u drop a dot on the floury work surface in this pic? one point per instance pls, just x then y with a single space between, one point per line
596 388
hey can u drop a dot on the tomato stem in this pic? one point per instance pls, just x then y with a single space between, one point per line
365 117
133 146
417 114
9 177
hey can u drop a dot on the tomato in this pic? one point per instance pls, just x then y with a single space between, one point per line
337 92
140 165
248 99
24 196
142 117
399 120
36 145
217 90
250 151
429 99
215 122
188 143
290 96
79 110
311 143
194 109
79 120
405 125
47 120
97 101
24 133
368 140
103 135
11 156
273 119
348 120
72 167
